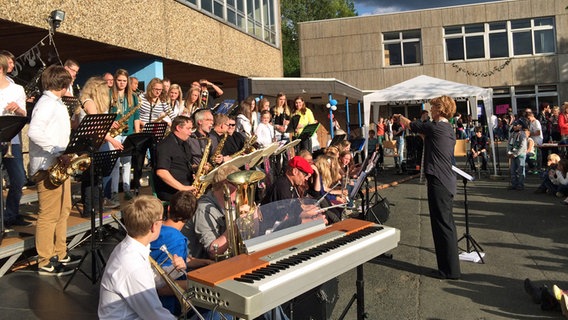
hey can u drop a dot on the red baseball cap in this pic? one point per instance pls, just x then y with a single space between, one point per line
300 164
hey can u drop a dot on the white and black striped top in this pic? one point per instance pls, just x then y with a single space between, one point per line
149 112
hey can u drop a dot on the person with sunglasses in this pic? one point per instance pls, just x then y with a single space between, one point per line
235 140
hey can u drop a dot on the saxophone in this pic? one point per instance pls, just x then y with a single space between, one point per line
199 185
247 148
58 173
218 149
123 122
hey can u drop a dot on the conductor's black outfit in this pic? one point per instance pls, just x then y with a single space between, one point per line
439 145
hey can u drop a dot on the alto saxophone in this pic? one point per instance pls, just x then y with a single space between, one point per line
218 149
123 122
199 185
247 148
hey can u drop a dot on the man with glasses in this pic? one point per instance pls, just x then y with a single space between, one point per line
73 68
218 133
291 184
203 123
235 141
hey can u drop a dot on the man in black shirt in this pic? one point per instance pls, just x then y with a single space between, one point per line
235 141
478 149
173 166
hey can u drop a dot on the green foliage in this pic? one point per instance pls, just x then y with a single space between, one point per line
294 11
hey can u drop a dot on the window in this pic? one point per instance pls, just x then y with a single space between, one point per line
402 48
254 17
500 39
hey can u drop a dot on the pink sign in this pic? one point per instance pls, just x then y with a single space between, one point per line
501 108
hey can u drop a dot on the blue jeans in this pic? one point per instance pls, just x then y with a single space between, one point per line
518 172
400 148
15 168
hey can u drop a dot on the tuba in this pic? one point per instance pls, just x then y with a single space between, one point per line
244 229
58 172
199 185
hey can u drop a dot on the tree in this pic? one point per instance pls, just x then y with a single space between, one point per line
294 11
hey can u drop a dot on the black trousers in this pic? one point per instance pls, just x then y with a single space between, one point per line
440 202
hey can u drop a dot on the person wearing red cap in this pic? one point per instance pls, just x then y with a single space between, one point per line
287 186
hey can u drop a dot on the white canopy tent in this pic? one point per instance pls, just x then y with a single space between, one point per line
423 88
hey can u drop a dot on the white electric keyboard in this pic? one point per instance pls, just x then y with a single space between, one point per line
250 285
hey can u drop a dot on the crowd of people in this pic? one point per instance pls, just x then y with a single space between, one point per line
198 140
187 215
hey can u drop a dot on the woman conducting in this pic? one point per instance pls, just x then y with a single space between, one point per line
439 142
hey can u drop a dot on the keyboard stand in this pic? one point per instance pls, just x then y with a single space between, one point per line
359 295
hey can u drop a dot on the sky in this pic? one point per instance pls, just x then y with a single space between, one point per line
366 7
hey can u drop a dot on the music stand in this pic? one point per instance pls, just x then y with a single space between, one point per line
293 124
157 129
337 139
71 103
10 126
87 138
470 241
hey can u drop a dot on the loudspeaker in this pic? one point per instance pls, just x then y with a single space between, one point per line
316 304
380 212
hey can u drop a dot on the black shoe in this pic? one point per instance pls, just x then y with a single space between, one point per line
18 222
54 268
437 274
533 291
547 301
70 260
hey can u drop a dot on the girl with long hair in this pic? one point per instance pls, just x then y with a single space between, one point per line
281 116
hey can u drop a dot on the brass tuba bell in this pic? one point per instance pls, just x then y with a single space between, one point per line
245 182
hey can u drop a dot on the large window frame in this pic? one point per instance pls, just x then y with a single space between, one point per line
402 48
500 39
254 17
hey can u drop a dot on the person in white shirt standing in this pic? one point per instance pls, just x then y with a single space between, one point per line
265 131
128 288
12 103
49 132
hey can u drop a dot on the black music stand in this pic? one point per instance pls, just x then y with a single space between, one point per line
71 103
158 131
10 126
87 138
469 240
306 135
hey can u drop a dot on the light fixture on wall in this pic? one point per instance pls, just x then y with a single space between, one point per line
55 19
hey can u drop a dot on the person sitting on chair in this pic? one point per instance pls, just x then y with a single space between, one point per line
478 149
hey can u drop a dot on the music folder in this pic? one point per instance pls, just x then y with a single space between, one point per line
462 173
294 121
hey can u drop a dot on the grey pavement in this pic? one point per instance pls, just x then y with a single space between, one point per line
524 235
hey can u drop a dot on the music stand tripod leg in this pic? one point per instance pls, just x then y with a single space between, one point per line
469 240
